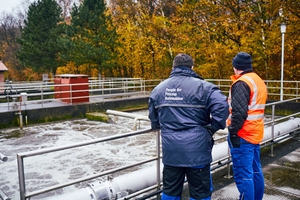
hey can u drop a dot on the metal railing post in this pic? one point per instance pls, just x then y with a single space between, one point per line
228 165
297 89
273 124
141 85
7 98
21 177
42 97
158 172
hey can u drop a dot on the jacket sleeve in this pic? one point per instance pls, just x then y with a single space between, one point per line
218 108
240 97
153 115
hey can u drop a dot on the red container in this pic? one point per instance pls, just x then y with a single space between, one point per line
72 88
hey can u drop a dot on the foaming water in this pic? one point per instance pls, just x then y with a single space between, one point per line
63 166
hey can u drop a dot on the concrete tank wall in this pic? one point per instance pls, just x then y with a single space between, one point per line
41 115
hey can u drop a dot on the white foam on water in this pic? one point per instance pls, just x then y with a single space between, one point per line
59 167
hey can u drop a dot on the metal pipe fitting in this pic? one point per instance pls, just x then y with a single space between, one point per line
3 157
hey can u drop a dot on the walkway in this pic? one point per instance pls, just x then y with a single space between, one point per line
281 172
50 103
5 107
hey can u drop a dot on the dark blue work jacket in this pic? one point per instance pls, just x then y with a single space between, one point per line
182 107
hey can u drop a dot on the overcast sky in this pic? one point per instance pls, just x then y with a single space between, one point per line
12 6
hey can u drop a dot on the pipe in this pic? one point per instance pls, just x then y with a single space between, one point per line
136 119
147 175
130 115
123 114
143 117
81 194
120 186
281 129
115 188
220 151
3 196
20 119
3 157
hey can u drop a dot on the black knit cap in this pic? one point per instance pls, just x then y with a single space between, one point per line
183 60
242 61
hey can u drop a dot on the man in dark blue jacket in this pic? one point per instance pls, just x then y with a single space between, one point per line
188 111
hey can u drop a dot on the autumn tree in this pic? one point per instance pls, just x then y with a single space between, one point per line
145 45
140 38
40 46
291 16
9 32
91 36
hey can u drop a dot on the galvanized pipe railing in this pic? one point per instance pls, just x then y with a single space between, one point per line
3 196
21 156
42 92
274 121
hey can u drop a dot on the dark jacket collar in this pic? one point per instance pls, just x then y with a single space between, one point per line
184 71
247 71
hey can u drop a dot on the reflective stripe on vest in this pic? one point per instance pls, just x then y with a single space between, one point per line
253 127
253 107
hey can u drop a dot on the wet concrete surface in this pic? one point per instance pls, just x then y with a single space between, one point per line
281 173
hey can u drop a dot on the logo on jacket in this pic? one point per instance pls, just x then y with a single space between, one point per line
172 94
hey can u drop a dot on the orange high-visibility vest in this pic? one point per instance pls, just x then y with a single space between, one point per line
253 127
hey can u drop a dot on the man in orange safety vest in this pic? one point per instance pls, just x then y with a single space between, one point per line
247 99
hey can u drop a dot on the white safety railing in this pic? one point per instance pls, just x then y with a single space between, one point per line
13 95
291 89
20 159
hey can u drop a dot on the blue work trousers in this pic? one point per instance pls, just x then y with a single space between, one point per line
247 170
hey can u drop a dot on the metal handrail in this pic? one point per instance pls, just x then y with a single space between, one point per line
21 156
42 92
276 120
98 91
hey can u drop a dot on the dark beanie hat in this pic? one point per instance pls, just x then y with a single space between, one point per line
183 60
242 61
